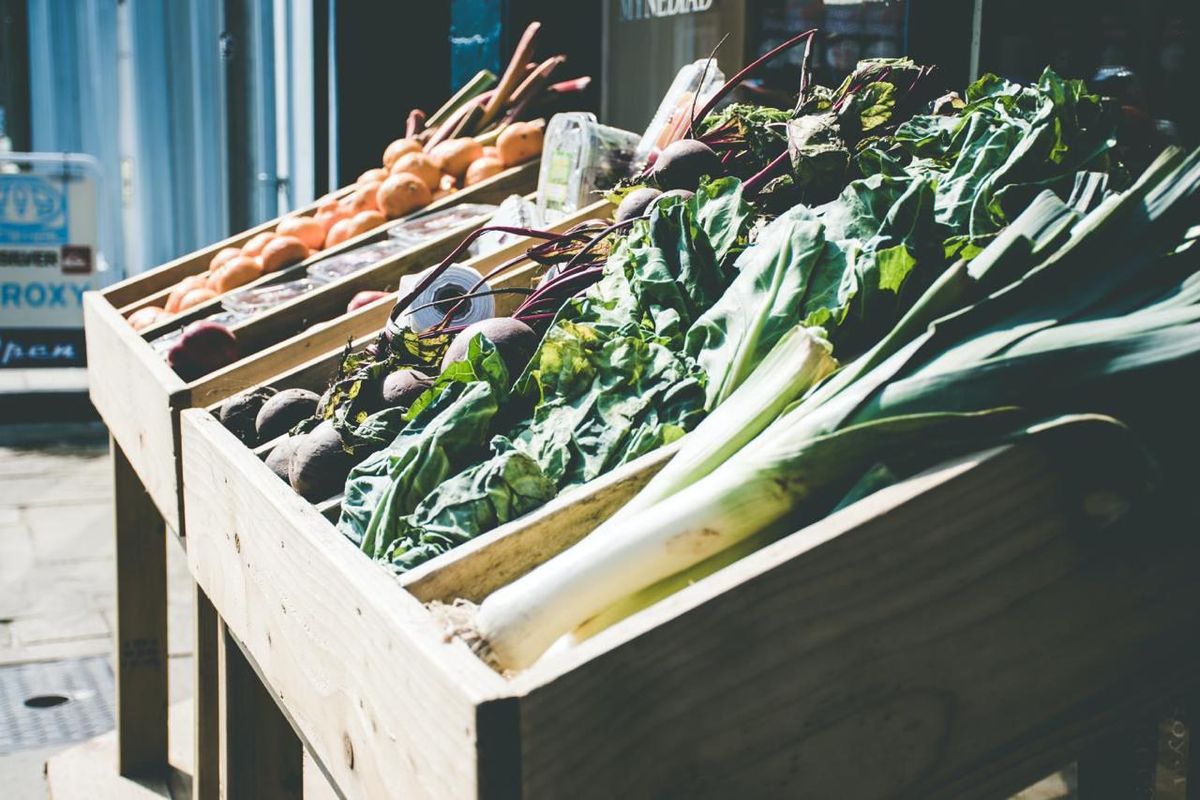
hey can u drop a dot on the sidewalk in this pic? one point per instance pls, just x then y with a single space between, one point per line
57 575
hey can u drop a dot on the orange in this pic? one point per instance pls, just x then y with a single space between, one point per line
375 174
402 193
195 297
236 272
283 252
420 165
364 198
327 218
365 221
399 148
481 169
146 317
306 229
257 243
223 255
342 230
182 288
453 156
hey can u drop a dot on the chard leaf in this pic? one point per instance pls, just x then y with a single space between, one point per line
894 265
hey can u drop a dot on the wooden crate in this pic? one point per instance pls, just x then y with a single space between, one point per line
958 635
139 396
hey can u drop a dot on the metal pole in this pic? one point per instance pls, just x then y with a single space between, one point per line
976 38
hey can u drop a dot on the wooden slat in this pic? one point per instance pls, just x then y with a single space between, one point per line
515 180
141 630
382 701
206 744
261 757
959 635
134 391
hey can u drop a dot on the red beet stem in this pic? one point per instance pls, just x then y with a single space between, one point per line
746 71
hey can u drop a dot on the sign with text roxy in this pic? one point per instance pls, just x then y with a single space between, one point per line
49 256
632 10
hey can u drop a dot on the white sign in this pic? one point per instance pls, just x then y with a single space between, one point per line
49 256
632 10
48 247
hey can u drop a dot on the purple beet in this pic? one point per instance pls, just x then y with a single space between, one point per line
636 203
514 340
204 347
682 164
404 386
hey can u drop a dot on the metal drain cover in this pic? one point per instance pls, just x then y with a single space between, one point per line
56 702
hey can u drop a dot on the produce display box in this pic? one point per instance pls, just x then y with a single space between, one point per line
139 396
959 635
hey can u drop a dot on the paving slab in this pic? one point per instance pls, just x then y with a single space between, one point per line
57 580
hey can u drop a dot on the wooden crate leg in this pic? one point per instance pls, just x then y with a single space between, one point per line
206 764
261 756
1121 766
141 635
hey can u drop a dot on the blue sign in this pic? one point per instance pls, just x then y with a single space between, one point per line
33 210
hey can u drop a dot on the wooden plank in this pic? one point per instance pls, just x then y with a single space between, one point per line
134 391
479 567
206 742
379 696
141 630
261 757
515 180
960 635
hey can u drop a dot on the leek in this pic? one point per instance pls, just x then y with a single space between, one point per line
1084 324
797 362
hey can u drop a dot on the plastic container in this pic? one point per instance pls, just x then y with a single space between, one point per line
351 261
580 159
261 298
421 229
514 212
691 82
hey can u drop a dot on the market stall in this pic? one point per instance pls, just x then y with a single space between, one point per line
832 453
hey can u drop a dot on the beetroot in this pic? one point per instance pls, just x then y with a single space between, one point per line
280 458
284 411
636 203
685 194
238 413
682 164
404 386
365 298
204 347
320 464
514 340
